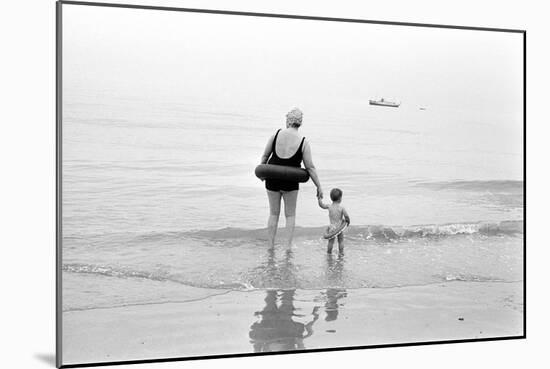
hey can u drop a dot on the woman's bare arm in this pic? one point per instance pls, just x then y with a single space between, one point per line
267 150
308 162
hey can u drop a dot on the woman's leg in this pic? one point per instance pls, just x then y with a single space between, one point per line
274 198
290 198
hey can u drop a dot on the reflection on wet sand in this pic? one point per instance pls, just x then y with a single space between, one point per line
335 270
332 304
276 329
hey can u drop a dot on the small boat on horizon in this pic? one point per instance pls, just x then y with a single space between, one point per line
383 102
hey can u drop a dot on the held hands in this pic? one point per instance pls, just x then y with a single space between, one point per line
319 199
319 193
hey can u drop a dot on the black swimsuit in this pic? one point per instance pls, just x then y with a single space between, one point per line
294 161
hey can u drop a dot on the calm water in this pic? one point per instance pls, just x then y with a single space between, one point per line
160 195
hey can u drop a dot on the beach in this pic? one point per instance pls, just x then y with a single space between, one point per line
165 247
224 323
165 250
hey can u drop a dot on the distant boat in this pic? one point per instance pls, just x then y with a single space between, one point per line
422 108
383 102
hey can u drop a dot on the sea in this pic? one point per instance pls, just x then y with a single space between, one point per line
159 197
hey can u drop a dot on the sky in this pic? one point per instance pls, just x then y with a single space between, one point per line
255 59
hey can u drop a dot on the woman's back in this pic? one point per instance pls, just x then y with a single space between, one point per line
287 143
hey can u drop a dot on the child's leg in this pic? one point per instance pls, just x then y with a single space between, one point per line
329 246
341 243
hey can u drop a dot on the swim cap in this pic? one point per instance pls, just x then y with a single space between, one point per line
294 117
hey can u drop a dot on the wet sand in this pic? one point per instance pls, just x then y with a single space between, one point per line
275 320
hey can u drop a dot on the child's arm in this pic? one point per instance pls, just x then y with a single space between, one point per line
346 215
321 204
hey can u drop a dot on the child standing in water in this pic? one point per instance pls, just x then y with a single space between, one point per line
336 214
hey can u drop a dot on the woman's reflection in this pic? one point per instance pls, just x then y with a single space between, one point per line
276 330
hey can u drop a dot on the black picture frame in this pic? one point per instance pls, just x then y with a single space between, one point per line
59 173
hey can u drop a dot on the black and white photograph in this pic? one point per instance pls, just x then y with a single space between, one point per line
235 184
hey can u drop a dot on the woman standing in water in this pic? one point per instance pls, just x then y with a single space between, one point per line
287 147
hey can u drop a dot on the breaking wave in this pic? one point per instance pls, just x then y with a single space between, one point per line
372 232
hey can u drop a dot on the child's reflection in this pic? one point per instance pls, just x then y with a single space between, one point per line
335 268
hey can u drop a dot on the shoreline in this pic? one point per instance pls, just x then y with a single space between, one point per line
240 322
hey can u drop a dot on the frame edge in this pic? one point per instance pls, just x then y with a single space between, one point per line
285 16
58 185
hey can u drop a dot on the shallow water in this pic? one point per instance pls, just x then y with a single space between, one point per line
160 267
